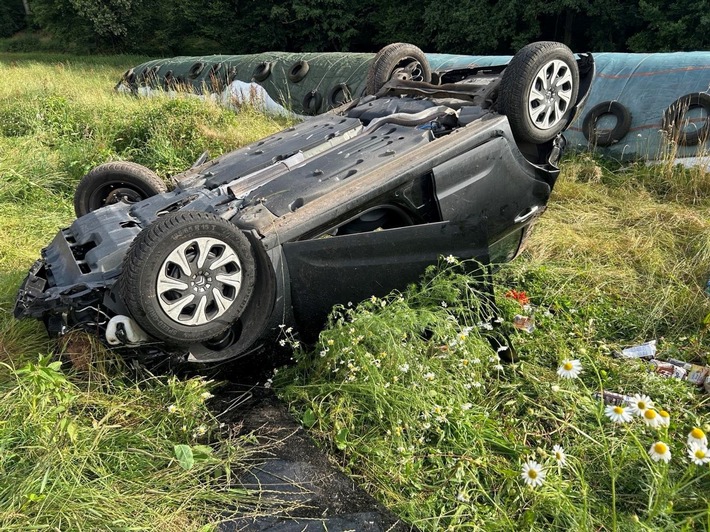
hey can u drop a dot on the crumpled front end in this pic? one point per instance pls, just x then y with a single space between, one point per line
69 286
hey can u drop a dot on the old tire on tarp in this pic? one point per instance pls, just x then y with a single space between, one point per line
674 116
113 182
400 61
312 102
188 277
262 71
195 70
608 137
298 71
539 70
338 95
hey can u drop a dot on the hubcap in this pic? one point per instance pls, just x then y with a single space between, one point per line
550 94
199 281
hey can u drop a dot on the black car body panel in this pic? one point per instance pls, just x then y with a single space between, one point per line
338 208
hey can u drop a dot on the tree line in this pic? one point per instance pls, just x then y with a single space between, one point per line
174 27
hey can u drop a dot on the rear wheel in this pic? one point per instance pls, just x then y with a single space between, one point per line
397 61
538 91
115 182
188 277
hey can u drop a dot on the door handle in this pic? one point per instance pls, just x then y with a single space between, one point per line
520 218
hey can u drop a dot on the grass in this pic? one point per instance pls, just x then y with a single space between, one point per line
87 443
404 392
408 396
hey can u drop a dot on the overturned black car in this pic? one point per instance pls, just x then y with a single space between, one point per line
343 206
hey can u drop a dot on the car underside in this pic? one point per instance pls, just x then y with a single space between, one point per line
340 207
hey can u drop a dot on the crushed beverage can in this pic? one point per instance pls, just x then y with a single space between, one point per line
524 323
696 373
668 370
645 350
614 398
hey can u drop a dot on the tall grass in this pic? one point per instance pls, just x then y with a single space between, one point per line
94 445
412 401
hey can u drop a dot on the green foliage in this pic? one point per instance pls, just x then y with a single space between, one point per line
103 452
411 399
12 17
166 27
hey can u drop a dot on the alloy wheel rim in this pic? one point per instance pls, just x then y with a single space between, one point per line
199 281
550 94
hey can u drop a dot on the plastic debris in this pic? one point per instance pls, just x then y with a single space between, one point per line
669 370
524 323
645 350
614 398
696 374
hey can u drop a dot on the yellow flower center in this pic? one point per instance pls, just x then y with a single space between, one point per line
649 414
697 433
465 362
700 453
532 474
641 405
558 455
660 447
663 413
568 366
618 410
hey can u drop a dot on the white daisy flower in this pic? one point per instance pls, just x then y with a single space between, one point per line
660 451
172 409
404 368
664 418
651 418
570 369
617 413
640 403
560 456
466 406
697 436
498 367
533 473
699 454
450 259
429 376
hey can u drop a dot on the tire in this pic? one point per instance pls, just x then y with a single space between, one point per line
262 71
110 183
195 70
338 95
674 116
606 137
159 292
536 115
398 61
298 71
312 102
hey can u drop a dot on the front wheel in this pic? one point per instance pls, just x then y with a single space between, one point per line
114 182
188 277
538 91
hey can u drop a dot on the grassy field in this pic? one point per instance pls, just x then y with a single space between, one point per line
404 393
